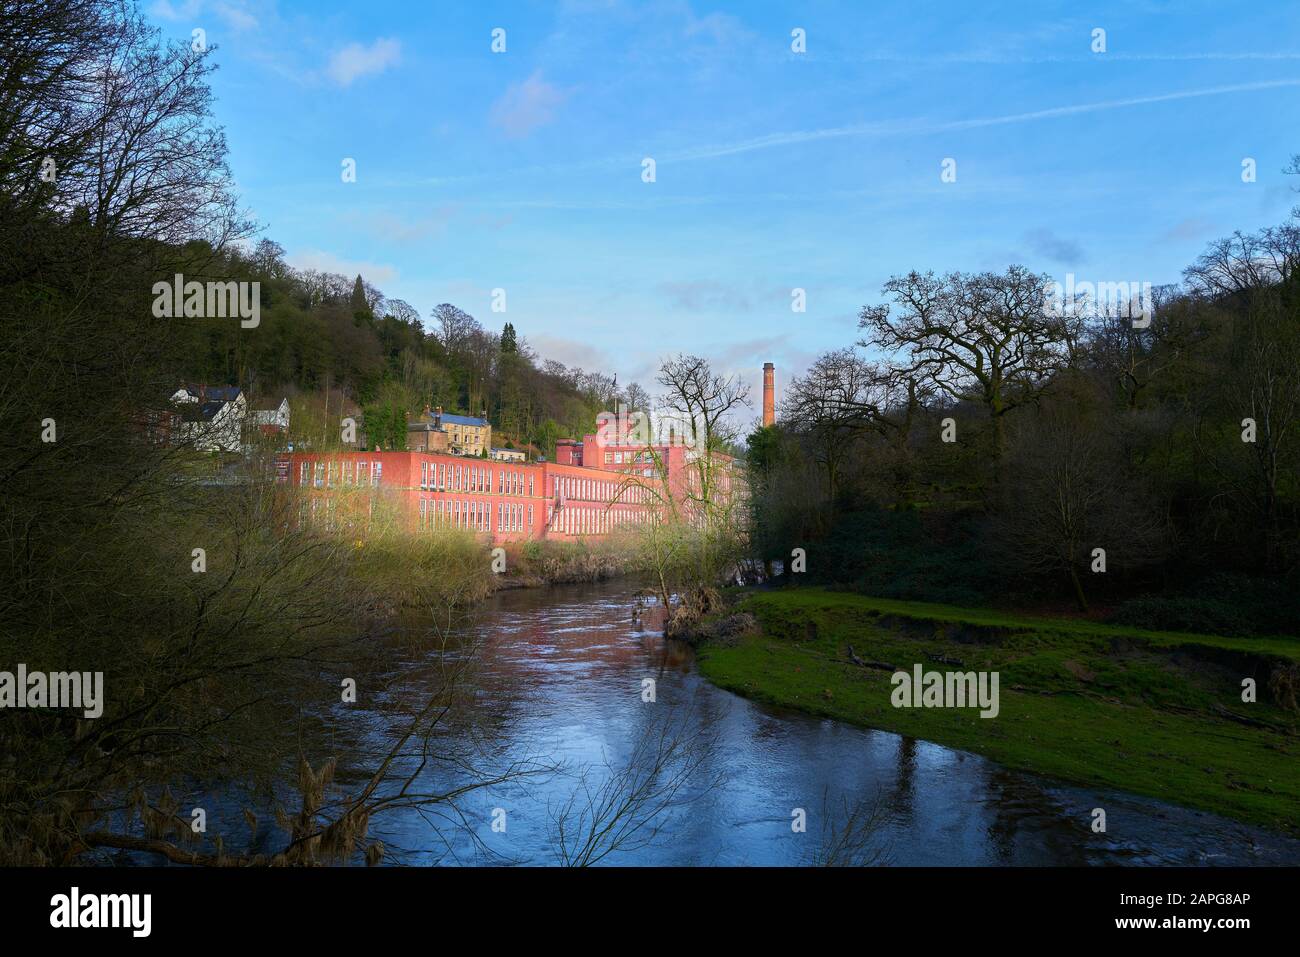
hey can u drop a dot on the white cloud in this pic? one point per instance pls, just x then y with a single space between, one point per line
356 60
165 10
1188 230
526 106
403 227
234 13
376 273
236 16
572 352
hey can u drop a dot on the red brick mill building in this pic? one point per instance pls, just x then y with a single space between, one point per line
603 483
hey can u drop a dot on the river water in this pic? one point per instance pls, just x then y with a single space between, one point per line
563 685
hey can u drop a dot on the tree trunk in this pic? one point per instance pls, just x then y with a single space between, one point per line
1078 589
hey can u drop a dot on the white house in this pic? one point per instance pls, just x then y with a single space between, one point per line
212 417
271 418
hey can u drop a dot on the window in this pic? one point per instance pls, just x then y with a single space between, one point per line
304 470
530 486
376 471
530 516
424 475
320 474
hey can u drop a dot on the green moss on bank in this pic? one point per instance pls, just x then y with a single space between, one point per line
1098 705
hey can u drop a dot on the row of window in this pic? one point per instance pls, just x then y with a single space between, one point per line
571 486
468 478
618 458
473 478
595 521
475 514
329 474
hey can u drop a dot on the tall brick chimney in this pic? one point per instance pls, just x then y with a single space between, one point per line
769 394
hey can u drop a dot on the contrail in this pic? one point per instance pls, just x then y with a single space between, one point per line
923 128
883 128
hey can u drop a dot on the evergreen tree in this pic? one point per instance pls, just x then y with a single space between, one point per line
360 308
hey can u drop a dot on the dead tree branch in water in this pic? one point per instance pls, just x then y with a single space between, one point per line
628 807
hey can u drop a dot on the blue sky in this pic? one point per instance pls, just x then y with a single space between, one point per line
774 170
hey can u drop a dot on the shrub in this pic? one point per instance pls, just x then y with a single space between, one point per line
1181 613
1222 604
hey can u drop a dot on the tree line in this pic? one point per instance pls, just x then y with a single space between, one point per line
336 342
979 444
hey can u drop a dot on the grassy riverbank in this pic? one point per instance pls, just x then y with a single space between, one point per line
538 563
1155 713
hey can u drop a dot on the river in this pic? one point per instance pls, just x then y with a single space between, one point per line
563 683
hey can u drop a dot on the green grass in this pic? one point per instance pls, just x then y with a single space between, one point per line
1099 705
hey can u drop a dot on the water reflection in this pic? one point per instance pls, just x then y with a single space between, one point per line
562 681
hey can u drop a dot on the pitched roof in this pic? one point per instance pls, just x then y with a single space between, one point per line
202 412
463 420
222 393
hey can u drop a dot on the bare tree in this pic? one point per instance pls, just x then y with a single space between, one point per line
627 807
850 837
454 326
1134 356
1256 279
840 399
1069 492
982 335
702 403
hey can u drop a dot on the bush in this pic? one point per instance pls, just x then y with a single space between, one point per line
1222 604
907 555
1204 615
